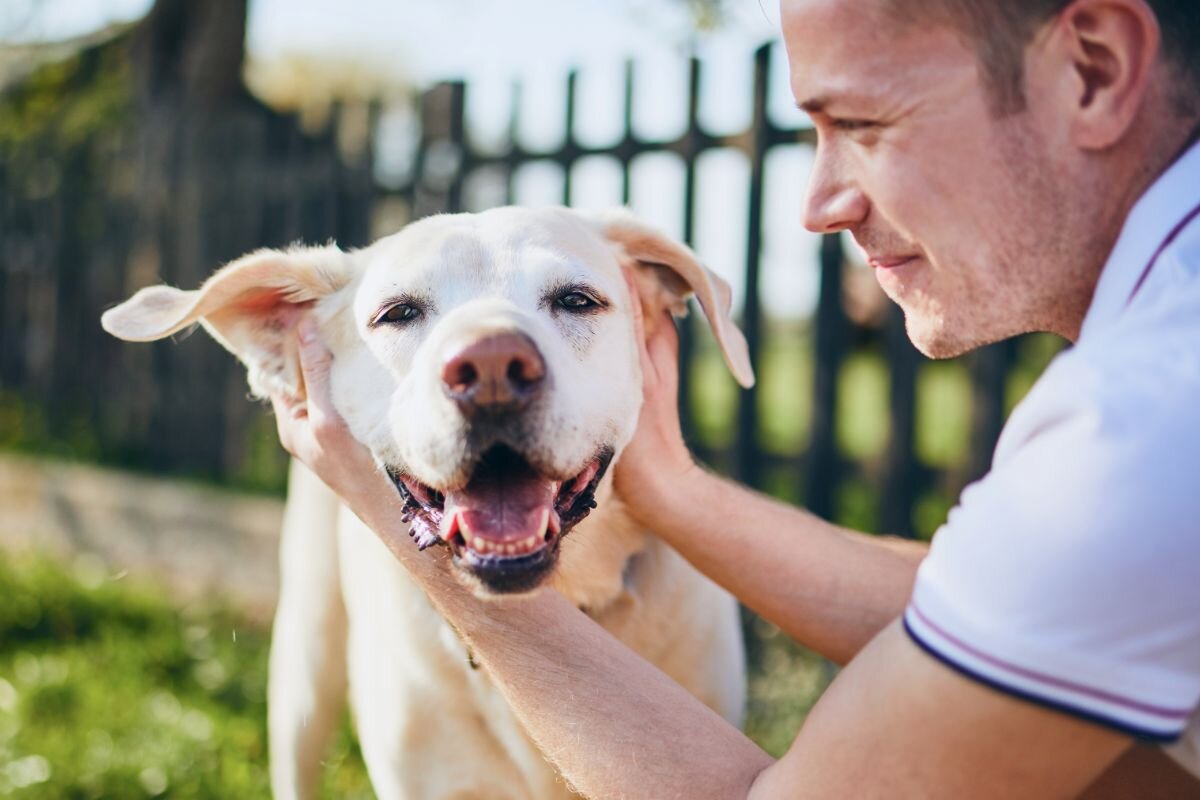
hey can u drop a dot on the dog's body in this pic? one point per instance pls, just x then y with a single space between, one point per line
489 364
430 724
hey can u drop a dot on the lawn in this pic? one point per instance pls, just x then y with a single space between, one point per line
107 690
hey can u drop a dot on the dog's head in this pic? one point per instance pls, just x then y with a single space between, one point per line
487 360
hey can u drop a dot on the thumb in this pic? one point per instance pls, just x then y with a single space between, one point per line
314 363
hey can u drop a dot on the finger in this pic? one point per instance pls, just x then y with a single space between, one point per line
635 304
667 335
315 360
662 349
649 370
283 420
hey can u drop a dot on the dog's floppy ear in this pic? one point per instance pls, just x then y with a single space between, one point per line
251 306
667 274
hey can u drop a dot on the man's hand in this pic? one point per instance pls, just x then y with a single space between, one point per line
313 432
656 462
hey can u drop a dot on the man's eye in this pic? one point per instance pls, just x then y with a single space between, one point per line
851 125
576 301
401 312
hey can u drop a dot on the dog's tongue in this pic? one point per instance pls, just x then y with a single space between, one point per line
502 509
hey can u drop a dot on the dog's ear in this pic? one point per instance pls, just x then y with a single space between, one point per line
251 306
667 273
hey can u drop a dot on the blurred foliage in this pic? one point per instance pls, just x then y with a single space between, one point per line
707 14
109 691
23 429
66 111
785 680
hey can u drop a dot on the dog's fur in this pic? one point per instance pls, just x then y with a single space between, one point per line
431 724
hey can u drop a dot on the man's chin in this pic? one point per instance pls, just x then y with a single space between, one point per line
934 339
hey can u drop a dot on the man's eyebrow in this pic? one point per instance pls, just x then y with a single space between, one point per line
845 99
813 105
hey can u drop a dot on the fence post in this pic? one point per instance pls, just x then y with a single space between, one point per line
690 146
829 344
901 476
748 461
988 369
439 168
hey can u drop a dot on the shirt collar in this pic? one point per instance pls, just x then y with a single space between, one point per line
1159 210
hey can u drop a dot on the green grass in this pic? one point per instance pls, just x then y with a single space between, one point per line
109 691
785 680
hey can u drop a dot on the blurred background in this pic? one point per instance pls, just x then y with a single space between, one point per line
147 141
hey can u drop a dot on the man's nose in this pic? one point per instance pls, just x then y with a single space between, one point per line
500 372
833 202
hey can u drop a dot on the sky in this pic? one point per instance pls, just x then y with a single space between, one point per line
493 43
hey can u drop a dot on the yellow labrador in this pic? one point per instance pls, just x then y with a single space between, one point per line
489 362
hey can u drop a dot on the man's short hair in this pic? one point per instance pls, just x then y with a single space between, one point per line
1000 30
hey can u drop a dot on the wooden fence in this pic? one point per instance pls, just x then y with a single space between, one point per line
182 192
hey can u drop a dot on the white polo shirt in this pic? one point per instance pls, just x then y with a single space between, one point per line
1070 574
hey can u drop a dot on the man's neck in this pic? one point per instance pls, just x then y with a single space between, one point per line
1162 145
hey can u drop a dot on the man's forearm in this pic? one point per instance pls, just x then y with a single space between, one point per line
829 588
613 724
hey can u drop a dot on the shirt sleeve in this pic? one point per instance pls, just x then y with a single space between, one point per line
1070 574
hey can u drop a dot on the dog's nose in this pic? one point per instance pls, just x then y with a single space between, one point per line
502 371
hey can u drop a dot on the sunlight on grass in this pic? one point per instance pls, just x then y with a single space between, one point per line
784 683
107 690
785 394
943 418
862 421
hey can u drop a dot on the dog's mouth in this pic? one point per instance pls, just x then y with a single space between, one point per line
505 524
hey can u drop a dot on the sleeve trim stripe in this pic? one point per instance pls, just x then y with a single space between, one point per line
1052 683
1143 734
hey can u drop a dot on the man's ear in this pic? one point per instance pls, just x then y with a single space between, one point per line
251 306
667 273
1112 48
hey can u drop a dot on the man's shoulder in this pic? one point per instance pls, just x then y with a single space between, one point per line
1140 377
1109 438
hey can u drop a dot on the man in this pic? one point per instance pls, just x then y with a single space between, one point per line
1007 167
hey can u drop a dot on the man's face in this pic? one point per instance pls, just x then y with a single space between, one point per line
956 209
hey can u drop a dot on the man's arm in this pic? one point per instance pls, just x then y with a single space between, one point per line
898 723
895 722
828 587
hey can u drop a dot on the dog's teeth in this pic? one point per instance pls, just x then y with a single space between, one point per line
479 544
544 523
510 549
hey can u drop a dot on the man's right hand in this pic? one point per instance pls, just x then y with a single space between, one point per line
656 465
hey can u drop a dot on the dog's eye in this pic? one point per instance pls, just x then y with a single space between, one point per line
576 301
401 312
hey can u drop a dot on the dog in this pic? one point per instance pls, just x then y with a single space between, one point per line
489 362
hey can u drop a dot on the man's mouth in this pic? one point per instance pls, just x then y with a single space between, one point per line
889 262
508 519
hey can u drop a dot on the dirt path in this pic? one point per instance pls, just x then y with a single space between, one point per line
195 541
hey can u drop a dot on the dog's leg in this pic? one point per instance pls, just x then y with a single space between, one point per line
307 681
